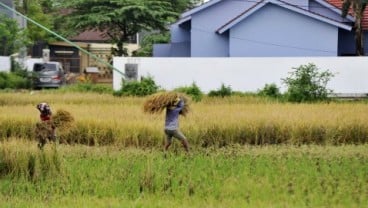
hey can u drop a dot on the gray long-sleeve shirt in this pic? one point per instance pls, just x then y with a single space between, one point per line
172 116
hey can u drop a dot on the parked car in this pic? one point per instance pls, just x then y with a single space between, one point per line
48 75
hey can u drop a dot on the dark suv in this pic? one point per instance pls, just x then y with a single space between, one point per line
48 74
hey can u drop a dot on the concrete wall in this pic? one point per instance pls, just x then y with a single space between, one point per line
5 64
244 74
29 62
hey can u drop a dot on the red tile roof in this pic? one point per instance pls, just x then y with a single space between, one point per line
90 36
338 4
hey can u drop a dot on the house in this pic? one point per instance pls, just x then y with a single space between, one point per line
75 61
5 11
261 28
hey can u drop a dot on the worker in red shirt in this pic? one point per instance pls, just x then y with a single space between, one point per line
45 111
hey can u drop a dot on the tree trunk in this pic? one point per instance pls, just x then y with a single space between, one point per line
120 50
359 38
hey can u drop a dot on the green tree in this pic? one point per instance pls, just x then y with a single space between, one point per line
182 5
270 90
11 36
33 9
146 46
120 19
358 7
307 84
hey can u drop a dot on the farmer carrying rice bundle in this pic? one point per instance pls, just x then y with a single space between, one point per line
46 129
175 104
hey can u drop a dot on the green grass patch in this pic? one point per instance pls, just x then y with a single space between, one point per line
269 176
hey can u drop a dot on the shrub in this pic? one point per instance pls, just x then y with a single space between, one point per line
223 91
307 84
194 91
18 78
87 87
14 81
146 86
270 90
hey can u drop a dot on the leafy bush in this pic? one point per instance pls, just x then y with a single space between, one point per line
13 81
146 86
307 84
270 90
223 91
194 91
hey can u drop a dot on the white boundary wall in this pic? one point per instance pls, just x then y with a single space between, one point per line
5 63
244 74
30 61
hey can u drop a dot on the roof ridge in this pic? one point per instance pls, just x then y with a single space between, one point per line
242 13
308 11
275 2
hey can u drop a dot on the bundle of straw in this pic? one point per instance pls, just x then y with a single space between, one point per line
62 119
44 132
156 103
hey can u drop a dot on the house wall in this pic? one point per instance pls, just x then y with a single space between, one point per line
366 43
179 34
205 42
6 11
180 43
347 43
180 49
5 64
244 74
288 34
161 50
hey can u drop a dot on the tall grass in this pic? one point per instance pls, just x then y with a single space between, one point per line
21 159
269 176
102 119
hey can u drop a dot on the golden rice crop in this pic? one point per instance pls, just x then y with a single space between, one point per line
156 103
216 121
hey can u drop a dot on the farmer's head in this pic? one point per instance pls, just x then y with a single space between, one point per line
176 101
44 108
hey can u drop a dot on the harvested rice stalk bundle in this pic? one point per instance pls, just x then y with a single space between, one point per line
62 119
186 108
156 103
44 132
159 101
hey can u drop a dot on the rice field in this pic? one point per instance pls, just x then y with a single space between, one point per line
245 152
101 119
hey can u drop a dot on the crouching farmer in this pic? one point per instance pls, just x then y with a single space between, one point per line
45 130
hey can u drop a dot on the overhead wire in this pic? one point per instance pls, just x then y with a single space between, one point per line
62 38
